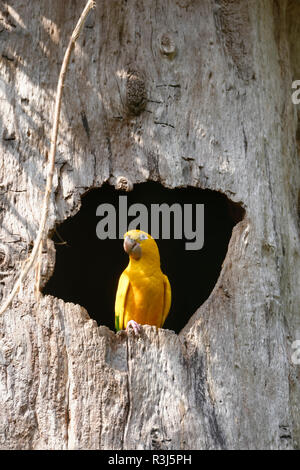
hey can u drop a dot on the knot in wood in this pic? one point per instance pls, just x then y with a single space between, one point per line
4 255
136 96
167 46
123 184
185 3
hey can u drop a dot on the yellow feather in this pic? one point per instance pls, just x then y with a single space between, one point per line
121 301
167 299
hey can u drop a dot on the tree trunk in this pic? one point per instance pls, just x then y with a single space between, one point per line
186 93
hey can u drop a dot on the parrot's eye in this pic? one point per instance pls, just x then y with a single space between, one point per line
143 236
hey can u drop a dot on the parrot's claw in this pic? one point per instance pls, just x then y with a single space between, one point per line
136 326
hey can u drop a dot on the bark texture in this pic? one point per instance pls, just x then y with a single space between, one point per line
185 93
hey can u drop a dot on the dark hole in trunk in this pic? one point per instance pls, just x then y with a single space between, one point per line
87 269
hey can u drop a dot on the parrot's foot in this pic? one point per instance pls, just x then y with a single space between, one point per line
136 326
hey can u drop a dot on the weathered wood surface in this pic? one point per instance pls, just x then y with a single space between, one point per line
186 93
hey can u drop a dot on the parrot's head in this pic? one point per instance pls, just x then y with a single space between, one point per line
140 245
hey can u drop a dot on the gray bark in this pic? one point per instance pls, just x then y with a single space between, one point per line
150 84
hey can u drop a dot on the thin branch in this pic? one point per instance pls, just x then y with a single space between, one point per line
42 228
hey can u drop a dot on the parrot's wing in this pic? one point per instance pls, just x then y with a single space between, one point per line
167 299
121 301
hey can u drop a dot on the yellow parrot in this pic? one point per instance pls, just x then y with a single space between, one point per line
144 292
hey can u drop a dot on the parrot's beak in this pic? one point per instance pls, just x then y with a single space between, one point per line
132 248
